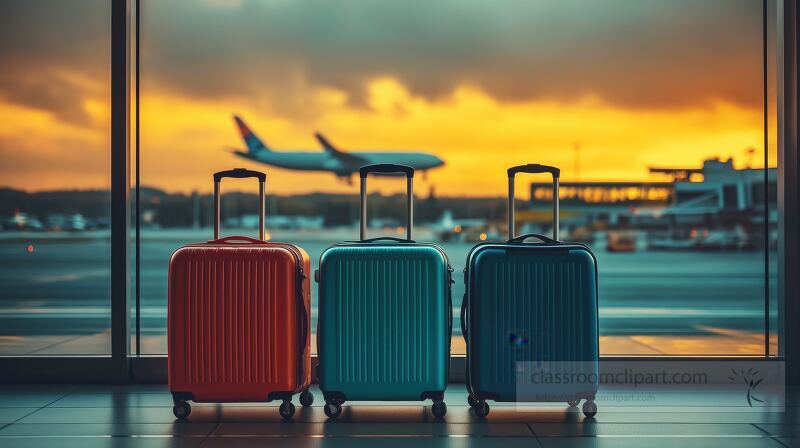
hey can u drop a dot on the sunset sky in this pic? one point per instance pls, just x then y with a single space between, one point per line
483 85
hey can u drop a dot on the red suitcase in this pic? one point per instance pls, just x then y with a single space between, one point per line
239 318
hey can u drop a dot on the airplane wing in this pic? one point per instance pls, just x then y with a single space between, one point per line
345 158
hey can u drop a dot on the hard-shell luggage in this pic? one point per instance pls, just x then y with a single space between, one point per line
530 316
239 318
385 317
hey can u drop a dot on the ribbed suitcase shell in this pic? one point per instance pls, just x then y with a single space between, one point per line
385 321
542 293
238 321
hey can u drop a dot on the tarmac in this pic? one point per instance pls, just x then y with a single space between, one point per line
55 298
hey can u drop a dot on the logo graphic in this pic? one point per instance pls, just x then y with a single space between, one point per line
751 379
518 339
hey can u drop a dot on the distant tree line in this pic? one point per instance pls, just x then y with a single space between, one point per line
184 210
89 203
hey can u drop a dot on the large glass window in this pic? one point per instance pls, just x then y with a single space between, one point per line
54 177
653 110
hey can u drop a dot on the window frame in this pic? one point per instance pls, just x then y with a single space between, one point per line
125 365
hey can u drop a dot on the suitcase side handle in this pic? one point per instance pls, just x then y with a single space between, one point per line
240 173
532 168
387 168
304 327
464 317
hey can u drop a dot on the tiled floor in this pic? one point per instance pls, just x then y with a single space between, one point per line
65 416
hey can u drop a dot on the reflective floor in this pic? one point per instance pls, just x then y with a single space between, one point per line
66 416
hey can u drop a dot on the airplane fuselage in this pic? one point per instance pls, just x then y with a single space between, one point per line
323 161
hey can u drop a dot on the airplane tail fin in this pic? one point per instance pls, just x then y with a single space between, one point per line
254 144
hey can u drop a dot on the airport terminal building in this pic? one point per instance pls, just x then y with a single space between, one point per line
716 206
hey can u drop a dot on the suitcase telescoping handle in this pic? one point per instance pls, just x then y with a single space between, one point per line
387 168
532 168
240 173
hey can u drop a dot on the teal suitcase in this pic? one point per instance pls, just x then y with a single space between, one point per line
385 316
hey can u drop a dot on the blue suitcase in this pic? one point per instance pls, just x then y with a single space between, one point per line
385 316
530 316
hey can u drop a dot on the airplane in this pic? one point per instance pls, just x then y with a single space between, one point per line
332 159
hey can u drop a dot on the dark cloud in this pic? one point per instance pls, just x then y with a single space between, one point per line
642 53
47 92
631 53
55 54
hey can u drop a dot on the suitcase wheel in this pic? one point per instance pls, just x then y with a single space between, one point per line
574 403
589 408
181 409
306 398
439 409
287 409
481 409
333 409
472 401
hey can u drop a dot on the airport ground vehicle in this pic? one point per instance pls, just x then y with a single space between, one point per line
385 316
621 240
239 318
531 309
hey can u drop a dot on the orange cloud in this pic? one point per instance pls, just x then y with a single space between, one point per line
39 151
184 140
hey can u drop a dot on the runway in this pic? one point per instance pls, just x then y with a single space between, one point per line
61 286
